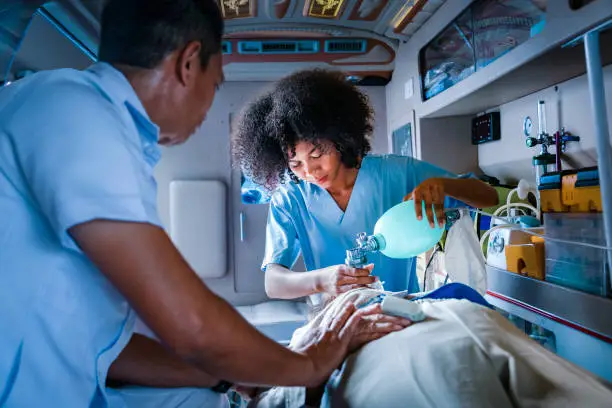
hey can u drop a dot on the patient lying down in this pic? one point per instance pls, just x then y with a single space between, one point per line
462 355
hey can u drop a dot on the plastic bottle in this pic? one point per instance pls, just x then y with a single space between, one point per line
400 234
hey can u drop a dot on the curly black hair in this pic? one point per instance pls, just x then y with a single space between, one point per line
315 105
253 143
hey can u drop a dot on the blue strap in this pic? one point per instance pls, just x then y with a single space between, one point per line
456 291
448 291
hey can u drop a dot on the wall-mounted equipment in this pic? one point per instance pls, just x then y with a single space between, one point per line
486 128
527 126
546 162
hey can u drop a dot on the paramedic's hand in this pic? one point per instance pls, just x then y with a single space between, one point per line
327 345
432 192
374 324
342 278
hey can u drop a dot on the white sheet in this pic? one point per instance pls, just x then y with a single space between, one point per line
464 355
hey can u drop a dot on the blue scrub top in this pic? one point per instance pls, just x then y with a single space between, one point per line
74 146
305 218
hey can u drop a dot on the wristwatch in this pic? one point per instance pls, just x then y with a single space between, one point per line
222 387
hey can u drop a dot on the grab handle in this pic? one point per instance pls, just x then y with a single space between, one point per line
241 226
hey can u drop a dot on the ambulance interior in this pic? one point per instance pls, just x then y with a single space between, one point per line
509 90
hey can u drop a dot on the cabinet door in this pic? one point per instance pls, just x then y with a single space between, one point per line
250 217
249 214
250 204
501 26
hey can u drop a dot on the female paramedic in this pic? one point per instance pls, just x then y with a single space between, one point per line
308 138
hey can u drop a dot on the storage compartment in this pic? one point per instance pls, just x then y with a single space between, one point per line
449 57
485 31
500 26
576 266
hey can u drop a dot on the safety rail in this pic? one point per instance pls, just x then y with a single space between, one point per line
582 311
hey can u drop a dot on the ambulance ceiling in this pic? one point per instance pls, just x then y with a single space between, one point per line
392 19
266 39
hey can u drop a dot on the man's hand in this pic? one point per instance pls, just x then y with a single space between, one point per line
338 279
431 192
328 346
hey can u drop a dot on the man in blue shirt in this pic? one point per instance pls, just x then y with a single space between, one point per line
81 244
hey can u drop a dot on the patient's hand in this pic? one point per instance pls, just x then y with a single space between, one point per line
374 324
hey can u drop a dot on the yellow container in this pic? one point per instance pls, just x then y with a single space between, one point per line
527 259
575 191
550 201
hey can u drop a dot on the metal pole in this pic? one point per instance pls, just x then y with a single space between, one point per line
604 152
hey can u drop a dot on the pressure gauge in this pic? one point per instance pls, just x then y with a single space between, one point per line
527 124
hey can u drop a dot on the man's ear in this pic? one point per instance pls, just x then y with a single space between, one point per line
188 61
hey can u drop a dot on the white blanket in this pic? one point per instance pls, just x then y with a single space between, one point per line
463 355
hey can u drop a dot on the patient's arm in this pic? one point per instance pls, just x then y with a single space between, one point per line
146 362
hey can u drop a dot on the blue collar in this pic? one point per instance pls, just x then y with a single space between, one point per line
120 91
321 203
